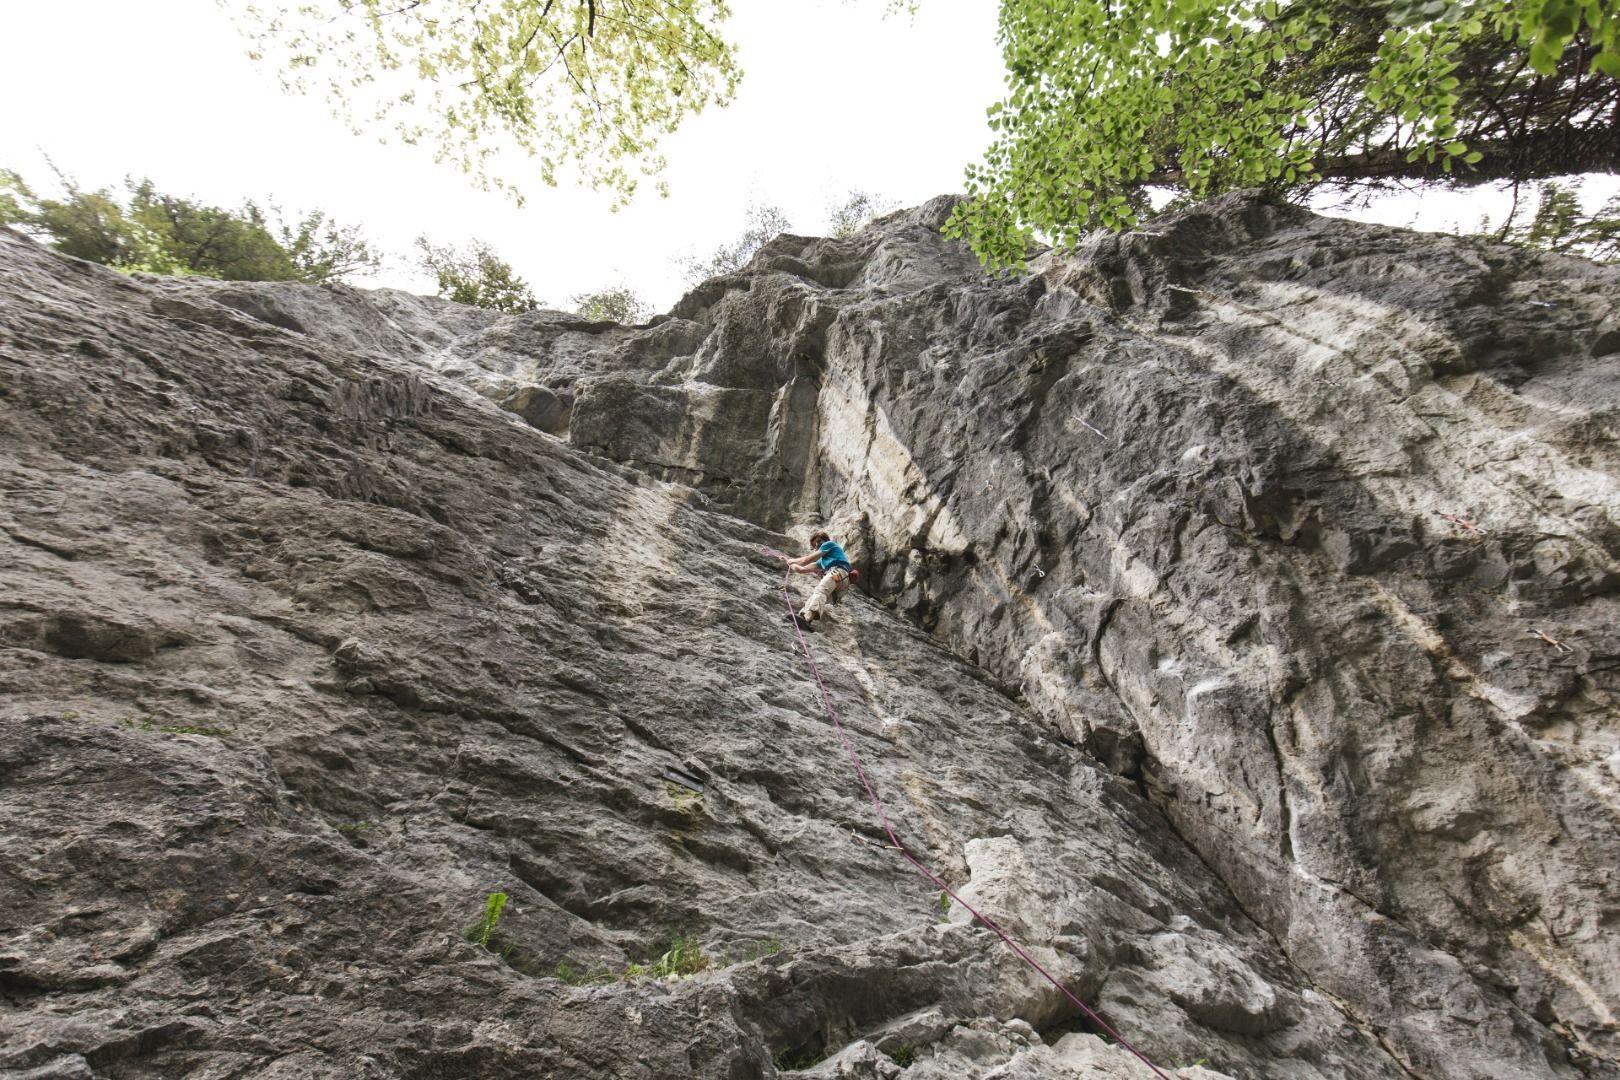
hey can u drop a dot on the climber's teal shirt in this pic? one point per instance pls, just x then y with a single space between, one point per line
832 555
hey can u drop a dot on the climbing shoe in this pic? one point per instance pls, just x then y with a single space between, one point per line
802 623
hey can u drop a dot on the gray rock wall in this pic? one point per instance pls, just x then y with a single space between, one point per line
1269 511
326 613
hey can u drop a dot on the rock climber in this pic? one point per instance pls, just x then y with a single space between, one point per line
828 560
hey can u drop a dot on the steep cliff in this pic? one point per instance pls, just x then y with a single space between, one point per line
1214 576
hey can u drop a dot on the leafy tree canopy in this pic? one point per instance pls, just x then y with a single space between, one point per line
86 224
1560 224
323 250
762 224
616 303
165 234
857 208
1106 96
476 275
593 85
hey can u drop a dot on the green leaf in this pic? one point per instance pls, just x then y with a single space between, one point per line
471 77
1102 94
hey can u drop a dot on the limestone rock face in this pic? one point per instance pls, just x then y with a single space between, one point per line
1237 630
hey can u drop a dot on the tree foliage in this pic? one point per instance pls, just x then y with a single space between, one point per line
593 84
1561 224
762 223
476 275
616 303
1106 96
322 250
846 217
86 224
160 233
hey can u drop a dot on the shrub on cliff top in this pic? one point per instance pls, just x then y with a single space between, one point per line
152 231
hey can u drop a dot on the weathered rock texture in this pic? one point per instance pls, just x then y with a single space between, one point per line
1205 574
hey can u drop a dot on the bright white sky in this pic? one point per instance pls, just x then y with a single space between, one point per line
834 97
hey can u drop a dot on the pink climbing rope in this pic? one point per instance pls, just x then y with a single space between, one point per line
883 819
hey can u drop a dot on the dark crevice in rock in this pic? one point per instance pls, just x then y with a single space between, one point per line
61 551
1360 1021
1285 826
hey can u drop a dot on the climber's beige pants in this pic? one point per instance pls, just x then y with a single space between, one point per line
832 581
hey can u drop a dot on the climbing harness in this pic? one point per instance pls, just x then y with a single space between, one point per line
883 819
851 576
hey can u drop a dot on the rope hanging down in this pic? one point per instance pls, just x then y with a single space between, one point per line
883 819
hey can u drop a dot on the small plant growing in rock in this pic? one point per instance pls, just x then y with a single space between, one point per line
191 729
944 907
795 1058
480 931
686 800
904 1055
149 722
354 828
576 977
769 947
683 957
